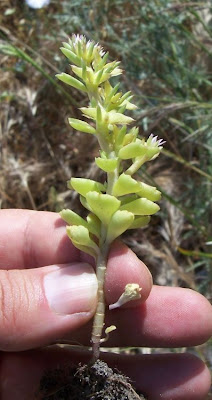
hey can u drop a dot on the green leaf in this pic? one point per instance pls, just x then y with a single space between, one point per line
110 91
99 114
108 164
132 150
131 136
81 126
77 71
110 117
129 105
103 205
94 224
119 135
125 185
118 118
98 76
72 218
79 235
149 192
71 81
128 198
89 112
139 222
71 56
85 204
141 207
83 186
119 223
85 249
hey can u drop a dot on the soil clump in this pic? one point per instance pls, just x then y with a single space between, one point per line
93 382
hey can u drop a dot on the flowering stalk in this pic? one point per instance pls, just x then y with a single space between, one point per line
122 202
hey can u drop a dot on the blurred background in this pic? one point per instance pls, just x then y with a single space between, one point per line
165 48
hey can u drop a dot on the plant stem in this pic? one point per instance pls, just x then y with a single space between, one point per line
101 265
98 322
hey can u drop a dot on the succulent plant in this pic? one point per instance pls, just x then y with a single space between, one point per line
122 202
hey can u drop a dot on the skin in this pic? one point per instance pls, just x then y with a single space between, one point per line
33 244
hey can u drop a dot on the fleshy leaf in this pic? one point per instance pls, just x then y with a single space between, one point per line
94 224
118 118
85 249
150 192
132 150
70 55
141 207
125 185
103 205
129 105
140 222
89 112
85 204
106 164
81 126
128 198
119 223
119 135
71 81
110 117
77 71
83 186
72 218
79 235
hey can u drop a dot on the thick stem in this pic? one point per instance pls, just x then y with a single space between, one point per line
98 322
135 166
101 265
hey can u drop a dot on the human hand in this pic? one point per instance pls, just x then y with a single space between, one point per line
48 294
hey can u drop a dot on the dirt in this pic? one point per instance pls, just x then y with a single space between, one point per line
93 382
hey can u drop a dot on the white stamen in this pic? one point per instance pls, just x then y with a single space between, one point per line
154 139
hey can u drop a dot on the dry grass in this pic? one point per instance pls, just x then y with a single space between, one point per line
166 52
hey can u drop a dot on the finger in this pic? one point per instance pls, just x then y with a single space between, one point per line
30 239
124 267
41 305
167 376
157 322
170 317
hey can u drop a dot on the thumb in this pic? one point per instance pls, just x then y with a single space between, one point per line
38 306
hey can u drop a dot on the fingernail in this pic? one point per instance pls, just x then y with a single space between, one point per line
71 289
